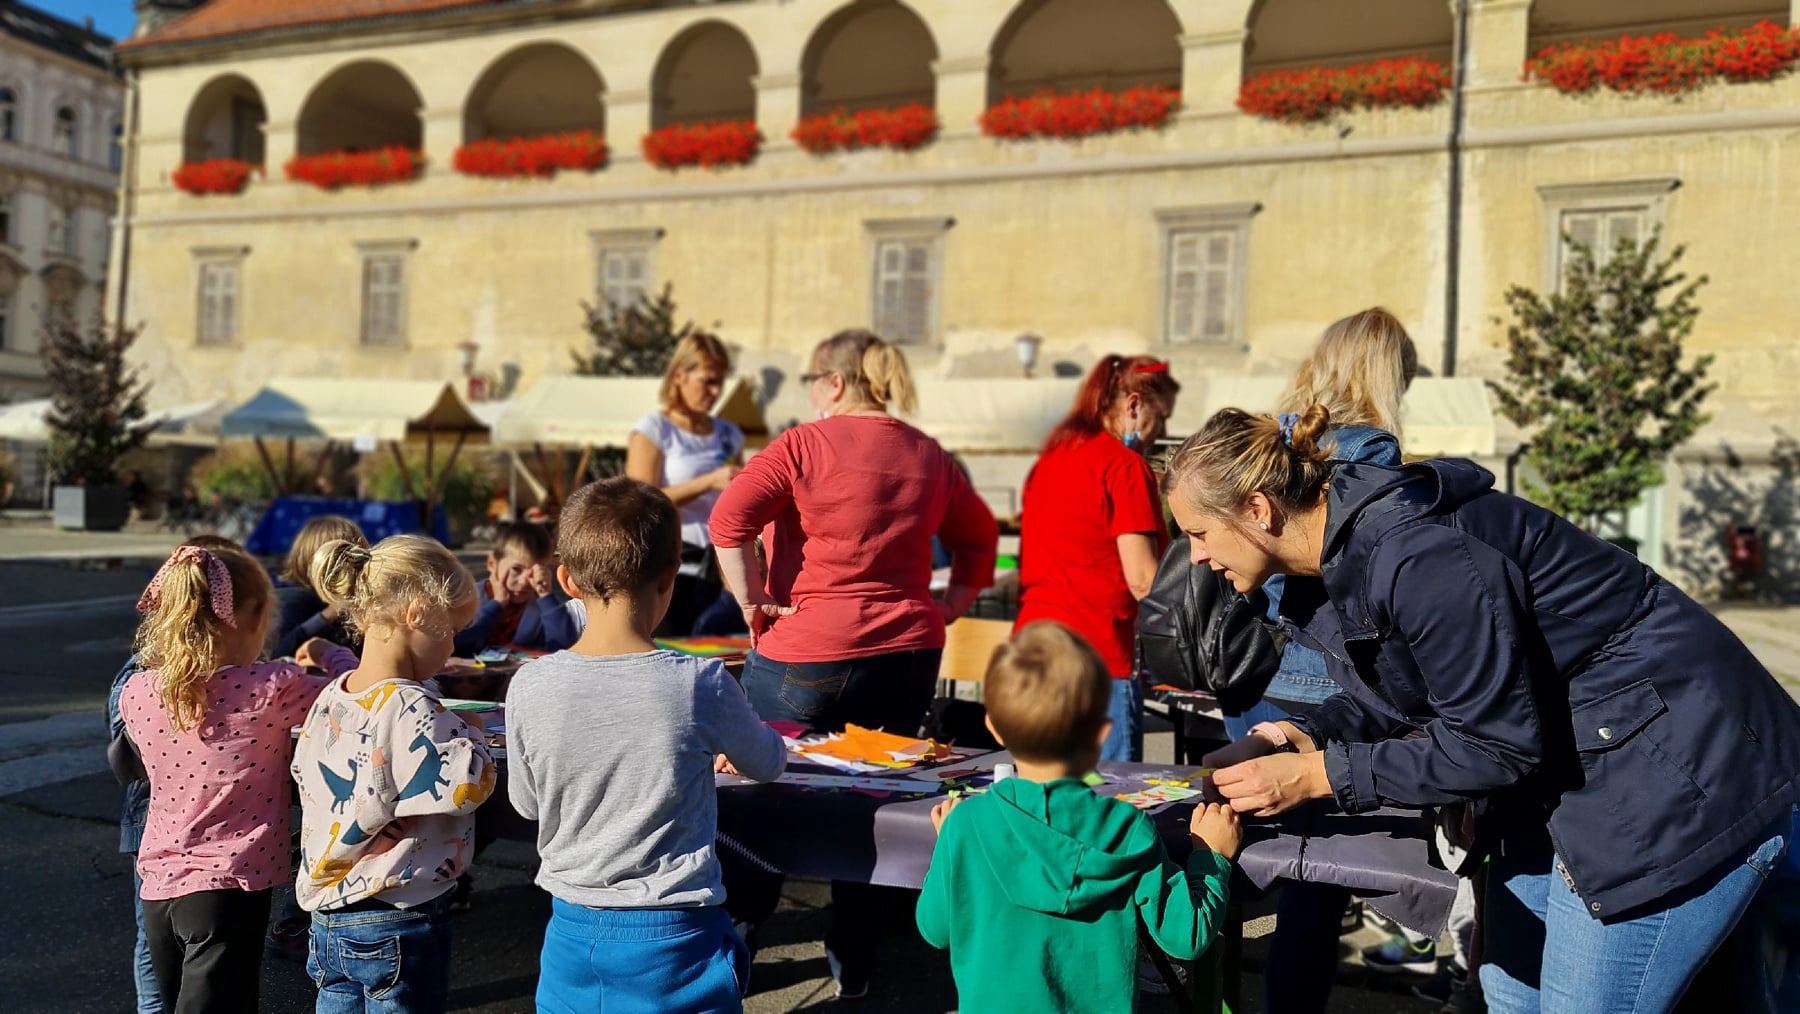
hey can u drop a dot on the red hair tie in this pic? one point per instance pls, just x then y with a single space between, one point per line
218 583
1158 367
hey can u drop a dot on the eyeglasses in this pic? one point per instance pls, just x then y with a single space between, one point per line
809 378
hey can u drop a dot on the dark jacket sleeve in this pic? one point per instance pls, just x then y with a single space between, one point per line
554 629
300 621
1460 608
474 637
1343 719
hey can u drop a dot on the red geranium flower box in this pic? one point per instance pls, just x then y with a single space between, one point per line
1665 64
584 151
905 128
1080 114
214 176
703 144
1313 94
393 164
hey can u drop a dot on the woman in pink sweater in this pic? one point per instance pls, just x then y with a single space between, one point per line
845 625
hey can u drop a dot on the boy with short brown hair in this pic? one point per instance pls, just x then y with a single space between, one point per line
1038 887
518 603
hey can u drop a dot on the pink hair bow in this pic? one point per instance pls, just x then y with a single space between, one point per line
218 583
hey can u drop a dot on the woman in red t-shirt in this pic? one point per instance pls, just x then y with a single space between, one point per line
845 626
1091 528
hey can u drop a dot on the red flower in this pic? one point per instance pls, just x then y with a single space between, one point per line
1047 114
533 156
335 169
703 144
1318 93
905 129
1665 64
217 176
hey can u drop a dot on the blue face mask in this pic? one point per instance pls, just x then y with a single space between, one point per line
1133 439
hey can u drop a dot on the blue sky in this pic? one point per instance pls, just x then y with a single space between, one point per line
111 17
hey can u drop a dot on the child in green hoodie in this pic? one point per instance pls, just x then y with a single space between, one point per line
1038 888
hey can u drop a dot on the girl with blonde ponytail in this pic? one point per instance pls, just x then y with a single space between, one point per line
213 730
389 780
843 621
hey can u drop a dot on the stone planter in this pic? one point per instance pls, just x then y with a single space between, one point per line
91 508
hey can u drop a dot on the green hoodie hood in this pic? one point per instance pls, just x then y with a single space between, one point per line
1057 847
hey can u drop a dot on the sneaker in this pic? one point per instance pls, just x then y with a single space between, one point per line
1398 954
462 895
852 983
289 942
1352 919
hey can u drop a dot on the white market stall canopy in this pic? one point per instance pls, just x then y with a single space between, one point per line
354 411
997 416
1441 416
195 423
602 411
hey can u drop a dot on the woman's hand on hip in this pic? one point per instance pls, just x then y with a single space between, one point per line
759 614
1266 786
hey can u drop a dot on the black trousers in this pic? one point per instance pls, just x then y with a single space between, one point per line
207 950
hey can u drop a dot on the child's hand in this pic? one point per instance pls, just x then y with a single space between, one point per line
1217 828
722 476
942 811
541 581
722 766
311 655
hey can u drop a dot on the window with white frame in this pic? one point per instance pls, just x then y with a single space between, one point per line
9 115
624 266
67 135
906 272
384 294
218 301
1598 216
1203 254
60 237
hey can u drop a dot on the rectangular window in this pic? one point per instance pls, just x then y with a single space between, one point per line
907 266
624 263
60 238
1204 253
1598 216
217 315
383 298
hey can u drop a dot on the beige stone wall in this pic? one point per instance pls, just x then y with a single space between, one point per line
1053 237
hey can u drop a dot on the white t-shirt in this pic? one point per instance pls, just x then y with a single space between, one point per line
687 456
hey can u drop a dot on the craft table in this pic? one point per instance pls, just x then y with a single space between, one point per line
887 839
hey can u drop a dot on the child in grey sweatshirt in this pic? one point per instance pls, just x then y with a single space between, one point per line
612 746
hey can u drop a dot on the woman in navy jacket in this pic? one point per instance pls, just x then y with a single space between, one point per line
1636 762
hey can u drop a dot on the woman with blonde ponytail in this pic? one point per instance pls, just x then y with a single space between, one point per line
844 624
1637 766
212 727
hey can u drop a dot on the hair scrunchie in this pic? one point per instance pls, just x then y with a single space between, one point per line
218 583
1287 420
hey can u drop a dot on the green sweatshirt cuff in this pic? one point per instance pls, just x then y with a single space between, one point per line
1204 862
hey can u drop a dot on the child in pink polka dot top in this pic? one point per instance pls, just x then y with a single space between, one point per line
214 729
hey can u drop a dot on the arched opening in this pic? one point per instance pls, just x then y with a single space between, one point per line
706 75
1077 45
540 89
1291 34
1555 21
872 54
362 106
225 120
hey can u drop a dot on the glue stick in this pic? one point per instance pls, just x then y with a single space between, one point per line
1003 771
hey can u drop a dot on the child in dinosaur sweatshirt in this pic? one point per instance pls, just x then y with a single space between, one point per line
1037 886
389 782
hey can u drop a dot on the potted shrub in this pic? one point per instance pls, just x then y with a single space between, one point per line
96 417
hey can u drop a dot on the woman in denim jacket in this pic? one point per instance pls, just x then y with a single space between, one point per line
1361 367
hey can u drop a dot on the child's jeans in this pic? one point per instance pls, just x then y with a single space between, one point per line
641 961
149 997
372 958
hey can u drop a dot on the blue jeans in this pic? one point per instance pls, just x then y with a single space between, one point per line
890 692
1544 952
149 1000
382 961
640 961
1126 710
